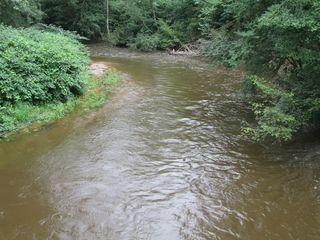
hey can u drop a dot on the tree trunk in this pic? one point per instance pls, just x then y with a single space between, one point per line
108 26
153 11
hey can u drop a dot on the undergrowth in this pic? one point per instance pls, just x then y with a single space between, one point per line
22 115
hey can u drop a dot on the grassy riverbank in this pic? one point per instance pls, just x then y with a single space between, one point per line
24 117
44 76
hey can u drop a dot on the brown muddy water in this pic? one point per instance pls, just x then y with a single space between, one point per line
162 160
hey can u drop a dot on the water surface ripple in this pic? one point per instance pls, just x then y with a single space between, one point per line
162 160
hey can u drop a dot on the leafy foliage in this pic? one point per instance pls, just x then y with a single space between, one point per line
141 24
20 13
86 17
39 67
13 118
146 43
276 41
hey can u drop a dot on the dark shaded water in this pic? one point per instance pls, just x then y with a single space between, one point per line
162 160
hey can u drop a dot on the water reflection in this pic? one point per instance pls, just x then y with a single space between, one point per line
162 160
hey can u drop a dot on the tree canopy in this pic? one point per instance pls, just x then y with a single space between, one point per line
277 41
20 13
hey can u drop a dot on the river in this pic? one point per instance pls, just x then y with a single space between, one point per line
163 159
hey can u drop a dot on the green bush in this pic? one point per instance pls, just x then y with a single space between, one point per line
277 42
39 67
21 115
146 43
169 37
20 13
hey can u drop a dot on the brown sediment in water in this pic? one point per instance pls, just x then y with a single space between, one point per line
162 160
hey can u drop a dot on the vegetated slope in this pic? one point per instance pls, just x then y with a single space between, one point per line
37 68
277 42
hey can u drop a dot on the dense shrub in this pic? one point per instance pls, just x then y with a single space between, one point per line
20 13
39 67
278 43
21 115
87 17
132 22
146 43
168 36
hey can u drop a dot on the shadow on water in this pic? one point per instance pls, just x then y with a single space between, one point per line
162 160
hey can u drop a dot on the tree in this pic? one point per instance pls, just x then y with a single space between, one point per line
20 13
107 12
86 17
278 42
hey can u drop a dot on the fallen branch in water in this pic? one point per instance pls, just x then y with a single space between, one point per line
187 50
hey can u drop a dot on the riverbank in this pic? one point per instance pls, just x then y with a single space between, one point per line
26 118
165 157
